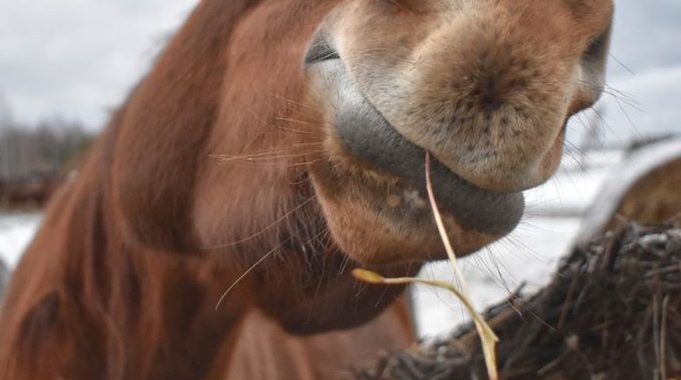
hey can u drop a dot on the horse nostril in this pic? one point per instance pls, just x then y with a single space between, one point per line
490 96
491 104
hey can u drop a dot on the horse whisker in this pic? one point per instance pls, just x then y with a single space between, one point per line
250 237
248 271
264 155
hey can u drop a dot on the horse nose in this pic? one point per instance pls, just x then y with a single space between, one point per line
492 77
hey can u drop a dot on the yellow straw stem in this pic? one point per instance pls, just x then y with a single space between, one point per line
488 338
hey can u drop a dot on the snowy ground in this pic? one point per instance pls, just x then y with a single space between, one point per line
528 256
16 231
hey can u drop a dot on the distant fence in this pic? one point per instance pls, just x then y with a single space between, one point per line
34 160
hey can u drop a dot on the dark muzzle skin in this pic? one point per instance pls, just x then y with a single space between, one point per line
365 134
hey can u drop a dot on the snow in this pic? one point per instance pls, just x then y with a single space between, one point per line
16 231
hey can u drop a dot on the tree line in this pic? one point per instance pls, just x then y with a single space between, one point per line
43 151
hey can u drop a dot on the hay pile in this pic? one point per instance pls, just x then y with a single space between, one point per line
612 312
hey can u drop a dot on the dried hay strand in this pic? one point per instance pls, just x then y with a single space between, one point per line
612 312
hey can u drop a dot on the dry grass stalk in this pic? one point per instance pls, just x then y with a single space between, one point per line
487 336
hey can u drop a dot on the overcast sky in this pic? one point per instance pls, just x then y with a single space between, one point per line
78 58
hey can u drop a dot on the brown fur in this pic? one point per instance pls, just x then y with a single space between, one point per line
222 160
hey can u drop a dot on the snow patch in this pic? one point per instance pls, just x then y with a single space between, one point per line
16 232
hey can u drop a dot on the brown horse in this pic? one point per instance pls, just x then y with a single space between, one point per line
275 145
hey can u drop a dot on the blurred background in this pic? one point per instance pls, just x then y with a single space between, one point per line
65 64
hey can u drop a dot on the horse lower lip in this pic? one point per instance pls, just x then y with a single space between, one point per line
366 135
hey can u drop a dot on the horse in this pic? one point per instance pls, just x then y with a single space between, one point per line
274 146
